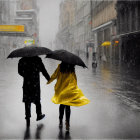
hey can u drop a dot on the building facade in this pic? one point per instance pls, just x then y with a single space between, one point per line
92 23
65 35
82 31
75 25
86 25
18 20
7 14
103 27
27 15
128 31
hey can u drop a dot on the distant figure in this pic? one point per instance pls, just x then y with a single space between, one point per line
104 58
29 68
94 62
67 92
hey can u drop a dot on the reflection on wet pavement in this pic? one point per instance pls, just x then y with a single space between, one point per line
63 135
39 128
123 81
27 134
38 131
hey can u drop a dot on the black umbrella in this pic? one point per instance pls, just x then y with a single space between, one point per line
29 51
66 57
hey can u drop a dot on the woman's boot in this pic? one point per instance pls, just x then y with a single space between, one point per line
67 126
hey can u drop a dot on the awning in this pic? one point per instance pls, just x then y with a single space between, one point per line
128 34
23 19
102 26
14 34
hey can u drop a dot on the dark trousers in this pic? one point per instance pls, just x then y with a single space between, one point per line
67 112
28 109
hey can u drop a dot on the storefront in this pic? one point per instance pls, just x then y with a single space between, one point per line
130 48
9 36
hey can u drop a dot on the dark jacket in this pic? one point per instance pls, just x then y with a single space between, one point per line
29 68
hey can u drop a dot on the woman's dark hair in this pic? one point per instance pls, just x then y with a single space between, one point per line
66 68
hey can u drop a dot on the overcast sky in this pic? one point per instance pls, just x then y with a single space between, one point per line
48 19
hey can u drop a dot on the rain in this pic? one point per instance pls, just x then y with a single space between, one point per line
104 36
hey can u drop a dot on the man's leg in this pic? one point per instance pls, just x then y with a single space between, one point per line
38 108
27 112
38 111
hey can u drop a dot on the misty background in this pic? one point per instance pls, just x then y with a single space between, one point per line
48 20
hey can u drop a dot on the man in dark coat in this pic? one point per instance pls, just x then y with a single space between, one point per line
29 68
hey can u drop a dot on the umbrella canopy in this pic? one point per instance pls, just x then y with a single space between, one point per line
66 57
29 52
106 43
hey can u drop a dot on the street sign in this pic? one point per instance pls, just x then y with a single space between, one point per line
11 28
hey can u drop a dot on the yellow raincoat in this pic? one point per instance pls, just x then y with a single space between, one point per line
66 89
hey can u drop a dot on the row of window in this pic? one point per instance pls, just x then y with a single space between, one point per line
129 19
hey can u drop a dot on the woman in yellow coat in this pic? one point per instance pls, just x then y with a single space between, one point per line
67 92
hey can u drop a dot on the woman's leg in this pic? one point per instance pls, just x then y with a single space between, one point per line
67 112
61 113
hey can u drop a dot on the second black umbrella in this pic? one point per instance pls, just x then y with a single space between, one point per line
66 57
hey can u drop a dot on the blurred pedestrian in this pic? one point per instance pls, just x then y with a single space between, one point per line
94 62
104 58
67 92
29 68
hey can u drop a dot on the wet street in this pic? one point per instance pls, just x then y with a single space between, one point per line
113 113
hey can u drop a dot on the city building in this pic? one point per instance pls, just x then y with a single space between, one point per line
65 35
27 15
7 14
18 20
104 27
82 32
75 26
128 31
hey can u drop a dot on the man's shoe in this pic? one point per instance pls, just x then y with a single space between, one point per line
40 117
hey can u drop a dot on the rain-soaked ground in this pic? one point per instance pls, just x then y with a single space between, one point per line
113 112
